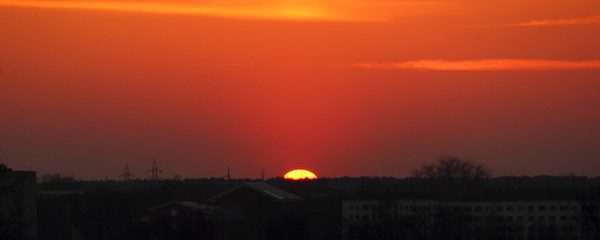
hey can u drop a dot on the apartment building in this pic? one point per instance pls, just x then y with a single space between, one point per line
525 219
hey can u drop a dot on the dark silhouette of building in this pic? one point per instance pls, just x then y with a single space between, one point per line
18 210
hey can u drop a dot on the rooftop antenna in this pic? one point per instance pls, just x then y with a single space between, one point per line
228 174
154 171
126 174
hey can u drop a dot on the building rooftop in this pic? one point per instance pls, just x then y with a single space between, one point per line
270 191
188 204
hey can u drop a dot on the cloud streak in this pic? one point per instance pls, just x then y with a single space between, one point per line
558 22
331 10
549 22
485 65
255 10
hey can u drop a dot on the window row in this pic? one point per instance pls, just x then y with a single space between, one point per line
561 218
531 208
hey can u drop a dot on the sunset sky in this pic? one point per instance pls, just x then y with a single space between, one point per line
339 87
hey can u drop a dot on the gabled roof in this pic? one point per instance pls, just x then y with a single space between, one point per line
188 204
270 191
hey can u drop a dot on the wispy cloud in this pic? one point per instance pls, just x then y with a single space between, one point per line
556 22
486 65
334 10
265 9
549 22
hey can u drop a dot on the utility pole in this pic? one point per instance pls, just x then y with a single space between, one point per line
262 174
126 174
154 171
228 174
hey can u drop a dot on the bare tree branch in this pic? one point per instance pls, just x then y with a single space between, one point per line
451 167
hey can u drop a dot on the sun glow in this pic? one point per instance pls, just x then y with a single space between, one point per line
266 9
300 174
296 10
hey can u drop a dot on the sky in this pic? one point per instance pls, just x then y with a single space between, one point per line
338 87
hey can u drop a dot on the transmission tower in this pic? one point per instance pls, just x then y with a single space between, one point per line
228 174
126 174
262 174
154 171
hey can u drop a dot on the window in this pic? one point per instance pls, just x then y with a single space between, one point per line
510 208
552 218
563 218
542 218
520 208
351 207
477 209
468 209
365 207
563 208
541 208
530 208
552 208
499 209
530 218
351 217
510 218
573 208
520 218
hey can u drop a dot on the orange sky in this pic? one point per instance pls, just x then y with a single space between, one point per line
351 87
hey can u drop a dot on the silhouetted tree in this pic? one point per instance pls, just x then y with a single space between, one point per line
451 167
452 177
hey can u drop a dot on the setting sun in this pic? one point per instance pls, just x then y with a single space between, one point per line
300 174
